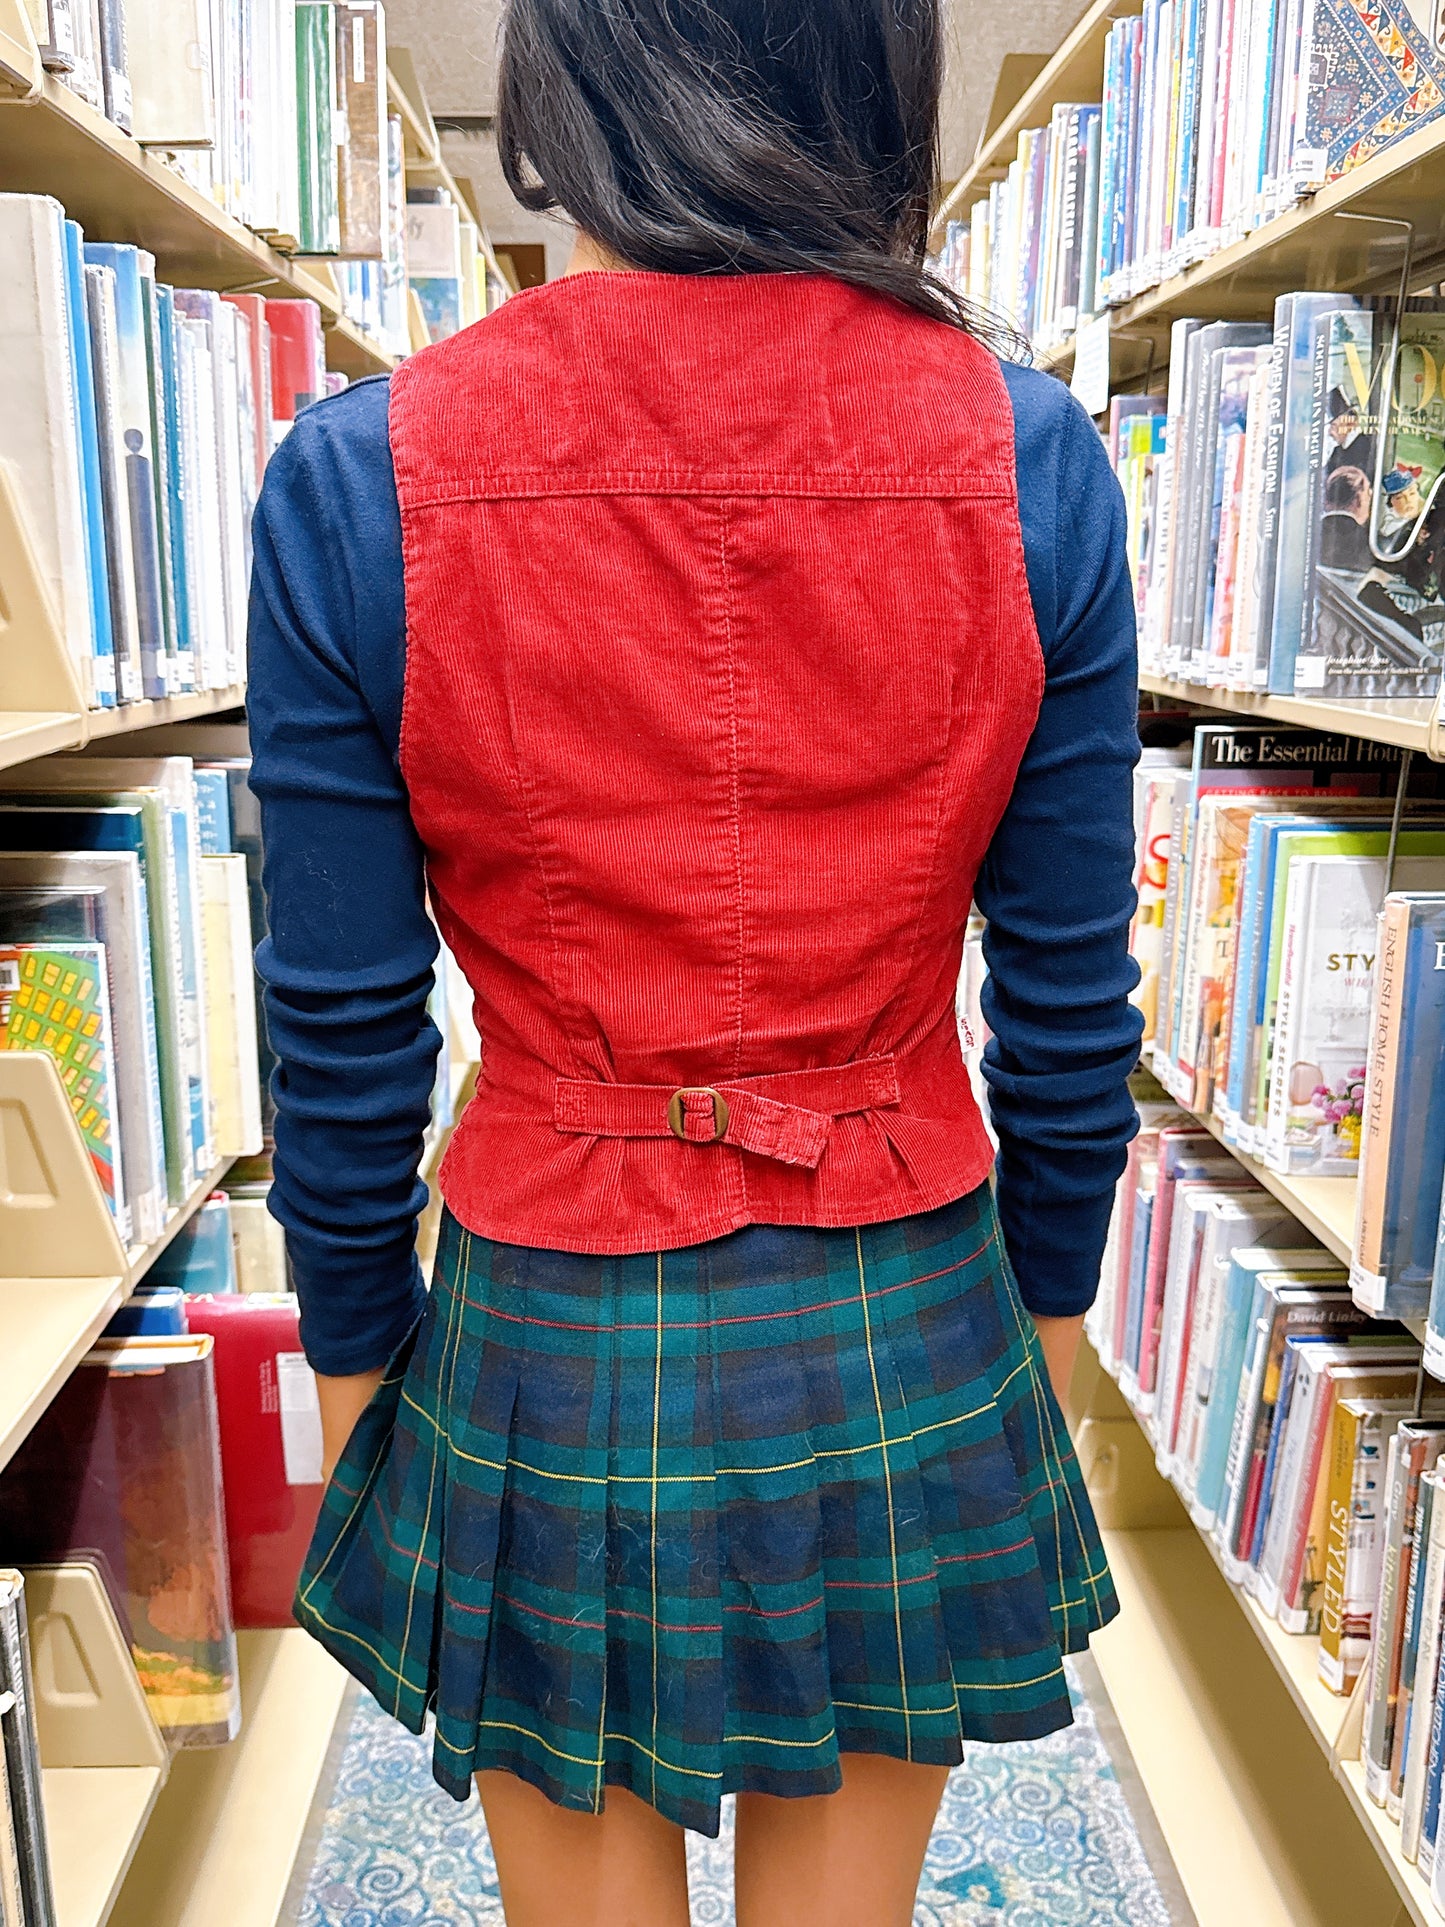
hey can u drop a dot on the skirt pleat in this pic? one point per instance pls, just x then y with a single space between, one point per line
704 1521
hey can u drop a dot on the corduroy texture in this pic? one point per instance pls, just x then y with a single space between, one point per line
700 1521
703 780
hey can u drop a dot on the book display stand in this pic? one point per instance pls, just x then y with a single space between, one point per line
1252 1766
103 1759
41 707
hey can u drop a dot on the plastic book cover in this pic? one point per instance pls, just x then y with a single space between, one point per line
1295 511
141 830
1376 73
1250 761
1402 1153
116 880
1231 1223
1237 367
22 1801
1254 987
115 71
133 410
168 57
1327 938
316 116
55 999
124 610
183 591
258 345
41 914
1280 1310
108 681
1248 1265
38 400
1186 1155
1378 609
125 1461
270 1447
161 468
152 1311
1356 1501
213 810
201 1257
297 360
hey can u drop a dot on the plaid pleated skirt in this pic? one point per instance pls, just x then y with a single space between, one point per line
701 1521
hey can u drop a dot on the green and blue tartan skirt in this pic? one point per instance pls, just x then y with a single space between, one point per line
701 1521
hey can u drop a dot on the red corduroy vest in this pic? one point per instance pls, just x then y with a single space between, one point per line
720 665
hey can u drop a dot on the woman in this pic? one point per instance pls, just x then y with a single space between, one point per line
703 631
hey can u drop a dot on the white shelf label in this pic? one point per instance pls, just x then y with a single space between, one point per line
300 1418
1090 384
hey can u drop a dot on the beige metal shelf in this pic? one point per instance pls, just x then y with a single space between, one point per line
94 1818
52 142
1404 722
1258 1829
1179 1672
1075 72
65 1271
227 1829
1312 245
25 737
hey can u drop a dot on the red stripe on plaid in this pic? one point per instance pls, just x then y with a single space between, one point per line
714 1324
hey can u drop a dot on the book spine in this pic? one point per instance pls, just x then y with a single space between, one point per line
1300 1582
1427 1852
1299 894
1374 1740
1367 1280
20 1749
1409 1647
1339 1515
1421 1725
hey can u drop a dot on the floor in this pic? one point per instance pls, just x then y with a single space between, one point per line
1054 1833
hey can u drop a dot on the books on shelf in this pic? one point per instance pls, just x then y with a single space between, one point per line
138 436
1293 535
270 1424
102 861
26 1891
124 1464
1215 116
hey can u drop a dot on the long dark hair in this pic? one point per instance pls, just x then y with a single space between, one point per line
735 136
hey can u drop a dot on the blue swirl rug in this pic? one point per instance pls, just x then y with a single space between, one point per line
1036 1835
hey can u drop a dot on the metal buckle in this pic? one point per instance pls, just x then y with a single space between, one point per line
677 1114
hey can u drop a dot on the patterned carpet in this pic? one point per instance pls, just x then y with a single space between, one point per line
1039 1835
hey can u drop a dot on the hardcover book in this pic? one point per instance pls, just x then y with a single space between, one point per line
53 999
125 1462
1402 1144
270 1447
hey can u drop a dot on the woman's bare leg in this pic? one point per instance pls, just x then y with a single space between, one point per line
625 1867
846 1859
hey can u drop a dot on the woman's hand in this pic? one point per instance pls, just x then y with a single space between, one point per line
343 1400
1060 1340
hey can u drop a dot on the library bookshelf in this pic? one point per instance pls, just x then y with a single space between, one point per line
1248 1760
1326 240
1075 72
52 142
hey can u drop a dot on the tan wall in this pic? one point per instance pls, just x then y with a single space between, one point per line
454 43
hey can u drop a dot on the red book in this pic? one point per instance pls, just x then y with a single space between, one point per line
298 360
254 309
270 1446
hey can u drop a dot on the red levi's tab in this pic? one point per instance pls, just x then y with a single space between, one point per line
720 666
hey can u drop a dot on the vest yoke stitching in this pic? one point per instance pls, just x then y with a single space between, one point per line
528 485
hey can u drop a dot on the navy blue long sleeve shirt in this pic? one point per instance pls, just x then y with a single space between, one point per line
348 962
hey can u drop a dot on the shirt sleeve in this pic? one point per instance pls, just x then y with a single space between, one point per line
347 965
1057 884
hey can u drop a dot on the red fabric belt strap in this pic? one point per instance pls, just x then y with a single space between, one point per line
786 1115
